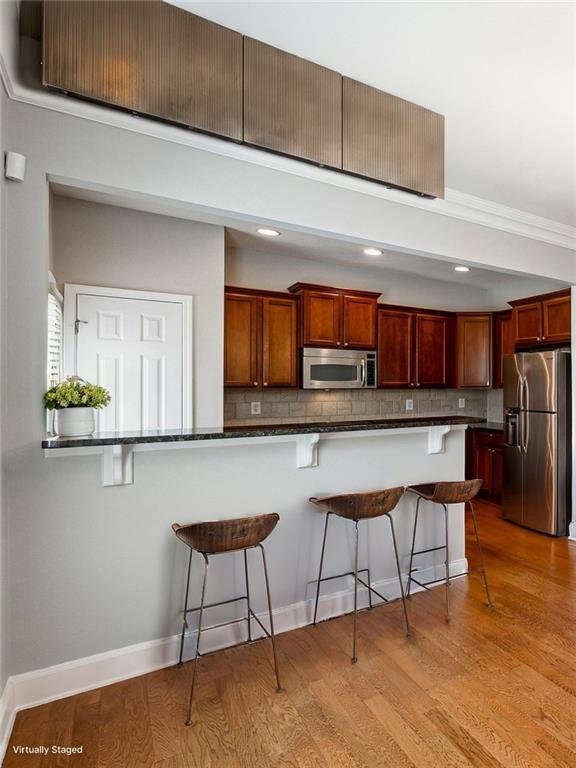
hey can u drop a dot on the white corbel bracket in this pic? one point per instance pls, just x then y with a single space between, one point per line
118 465
307 450
436 441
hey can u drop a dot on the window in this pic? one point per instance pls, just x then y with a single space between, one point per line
54 340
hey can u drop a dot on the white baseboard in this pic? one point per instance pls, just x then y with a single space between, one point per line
41 686
572 531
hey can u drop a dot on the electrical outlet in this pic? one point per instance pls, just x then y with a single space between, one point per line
255 408
461 402
409 405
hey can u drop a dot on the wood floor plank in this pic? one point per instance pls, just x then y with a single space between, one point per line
494 688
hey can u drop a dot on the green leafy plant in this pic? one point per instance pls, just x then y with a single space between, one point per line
76 393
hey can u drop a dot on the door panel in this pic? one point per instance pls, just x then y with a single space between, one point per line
359 320
528 322
504 344
483 466
241 338
539 503
132 347
556 319
540 381
431 351
512 484
474 350
322 319
395 342
497 471
279 343
513 371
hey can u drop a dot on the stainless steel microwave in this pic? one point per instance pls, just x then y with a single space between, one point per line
338 369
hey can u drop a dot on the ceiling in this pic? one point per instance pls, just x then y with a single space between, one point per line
503 74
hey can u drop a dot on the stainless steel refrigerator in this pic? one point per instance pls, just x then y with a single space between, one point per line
538 451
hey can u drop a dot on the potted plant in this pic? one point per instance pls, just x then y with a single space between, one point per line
74 401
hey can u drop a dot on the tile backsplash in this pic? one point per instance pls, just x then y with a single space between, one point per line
286 406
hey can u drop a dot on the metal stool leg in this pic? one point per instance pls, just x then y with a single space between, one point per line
412 548
185 617
197 657
247 597
320 570
447 564
354 657
272 635
389 516
481 554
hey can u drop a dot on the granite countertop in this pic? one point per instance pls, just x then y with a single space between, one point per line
260 430
489 426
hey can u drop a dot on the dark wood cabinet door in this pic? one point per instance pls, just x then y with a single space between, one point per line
241 341
395 348
556 319
474 350
528 322
497 471
359 322
504 344
432 351
279 342
483 466
322 319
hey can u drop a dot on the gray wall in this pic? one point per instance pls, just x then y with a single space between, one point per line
101 245
3 505
96 568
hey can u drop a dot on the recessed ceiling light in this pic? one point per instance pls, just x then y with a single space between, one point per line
372 251
268 232
462 269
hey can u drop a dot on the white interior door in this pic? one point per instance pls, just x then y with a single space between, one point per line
134 348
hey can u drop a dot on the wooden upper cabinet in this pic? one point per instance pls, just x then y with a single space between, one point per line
335 317
279 342
395 348
474 350
322 319
544 319
241 340
528 322
260 339
504 344
148 57
292 105
392 140
556 319
432 350
359 322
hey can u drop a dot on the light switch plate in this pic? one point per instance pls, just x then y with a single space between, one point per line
409 405
255 408
461 402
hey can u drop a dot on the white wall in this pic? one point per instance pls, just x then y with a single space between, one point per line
113 247
276 272
96 568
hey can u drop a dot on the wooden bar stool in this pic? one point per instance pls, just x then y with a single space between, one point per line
445 493
215 538
356 507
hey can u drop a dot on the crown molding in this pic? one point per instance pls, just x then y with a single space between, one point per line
456 205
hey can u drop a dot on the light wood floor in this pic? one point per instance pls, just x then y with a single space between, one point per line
493 688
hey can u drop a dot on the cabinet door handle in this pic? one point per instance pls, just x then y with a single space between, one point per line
255 383
337 343
345 343
265 383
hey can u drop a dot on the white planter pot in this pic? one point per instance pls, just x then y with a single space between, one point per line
74 422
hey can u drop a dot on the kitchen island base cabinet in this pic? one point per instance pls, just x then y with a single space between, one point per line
485 459
260 339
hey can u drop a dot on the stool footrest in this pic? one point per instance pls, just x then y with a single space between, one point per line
215 605
351 573
432 549
427 584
